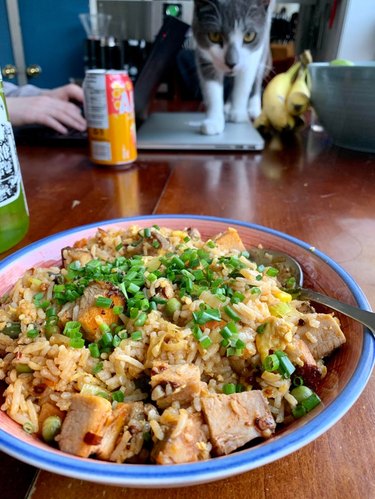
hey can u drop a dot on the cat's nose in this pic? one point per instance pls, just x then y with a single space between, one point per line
232 57
231 65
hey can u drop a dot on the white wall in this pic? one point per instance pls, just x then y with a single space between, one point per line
357 41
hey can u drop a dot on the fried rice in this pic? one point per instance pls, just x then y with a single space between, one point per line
153 335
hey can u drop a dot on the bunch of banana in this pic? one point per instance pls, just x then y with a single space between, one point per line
285 99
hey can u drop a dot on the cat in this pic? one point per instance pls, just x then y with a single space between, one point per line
232 39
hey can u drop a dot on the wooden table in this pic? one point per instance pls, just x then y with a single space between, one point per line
307 188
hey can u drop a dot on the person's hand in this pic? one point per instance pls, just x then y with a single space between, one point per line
69 92
52 108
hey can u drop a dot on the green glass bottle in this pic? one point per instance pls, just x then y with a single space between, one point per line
14 214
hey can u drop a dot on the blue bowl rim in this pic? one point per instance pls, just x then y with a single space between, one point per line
148 476
354 66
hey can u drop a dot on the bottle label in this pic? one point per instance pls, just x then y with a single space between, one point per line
10 176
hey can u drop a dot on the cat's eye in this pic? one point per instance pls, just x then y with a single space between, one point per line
215 37
249 37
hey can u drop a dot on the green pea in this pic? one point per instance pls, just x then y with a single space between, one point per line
13 330
50 428
23 368
172 305
51 329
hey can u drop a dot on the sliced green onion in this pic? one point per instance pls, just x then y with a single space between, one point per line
98 368
107 338
51 312
239 344
77 342
272 271
286 368
205 341
209 314
104 328
172 306
103 302
301 393
28 427
232 314
280 309
229 388
310 402
260 329
226 333
237 297
32 333
118 309
140 320
137 335
118 396
94 350
298 411
298 381
271 363
133 288
71 327
197 332
116 341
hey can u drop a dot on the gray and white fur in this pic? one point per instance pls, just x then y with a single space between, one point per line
232 39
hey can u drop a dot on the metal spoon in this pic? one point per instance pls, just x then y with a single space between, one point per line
289 267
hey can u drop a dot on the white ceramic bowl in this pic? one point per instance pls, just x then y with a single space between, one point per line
348 369
344 100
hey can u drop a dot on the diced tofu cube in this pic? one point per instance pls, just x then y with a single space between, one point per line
235 419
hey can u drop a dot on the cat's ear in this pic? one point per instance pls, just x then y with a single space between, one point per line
203 6
266 3
201 3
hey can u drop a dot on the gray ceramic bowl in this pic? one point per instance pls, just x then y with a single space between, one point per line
344 100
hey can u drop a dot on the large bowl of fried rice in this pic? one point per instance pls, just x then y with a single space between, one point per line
157 352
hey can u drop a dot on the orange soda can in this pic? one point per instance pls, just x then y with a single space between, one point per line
109 110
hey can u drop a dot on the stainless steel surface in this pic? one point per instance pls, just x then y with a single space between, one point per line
139 19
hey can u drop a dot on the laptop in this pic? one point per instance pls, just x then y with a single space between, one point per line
181 131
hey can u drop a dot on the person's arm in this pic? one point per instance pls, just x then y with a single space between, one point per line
52 108
12 90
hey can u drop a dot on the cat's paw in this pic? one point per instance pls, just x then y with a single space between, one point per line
212 127
255 106
237 115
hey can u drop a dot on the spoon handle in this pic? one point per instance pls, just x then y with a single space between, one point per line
363 316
